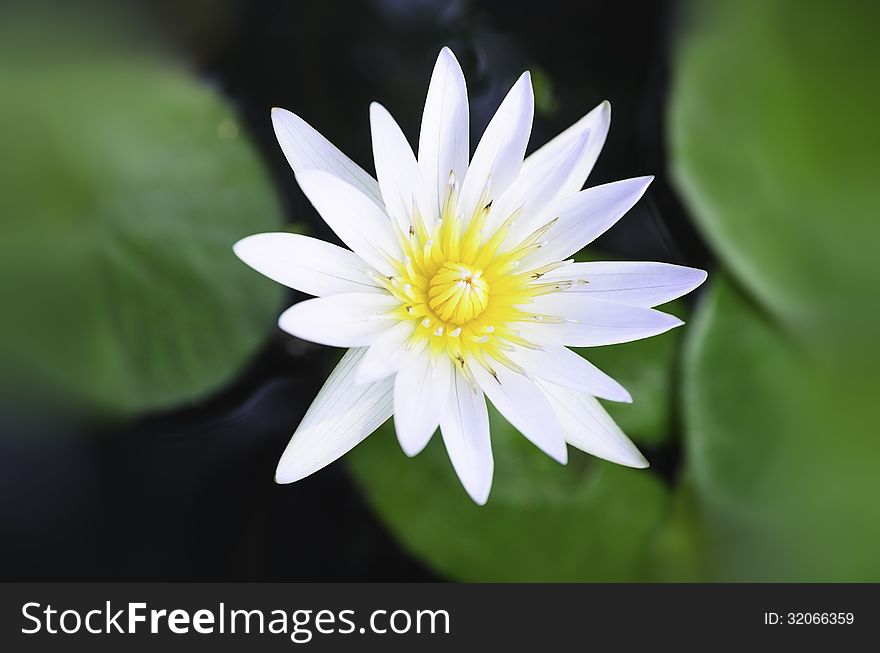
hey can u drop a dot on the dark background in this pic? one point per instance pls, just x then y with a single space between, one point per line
189 495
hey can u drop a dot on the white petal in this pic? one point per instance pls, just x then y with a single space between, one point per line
345 320
342 415
306 264
589 428
593 322
386 354
465 429
499 156
306 149
596 123
534 189
518 399
421 394
636 283
359 223
560 365
584 216
443 139
399 176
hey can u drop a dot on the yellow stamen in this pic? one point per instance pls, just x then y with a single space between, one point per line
462 287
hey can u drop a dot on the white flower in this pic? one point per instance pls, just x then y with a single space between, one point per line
457 285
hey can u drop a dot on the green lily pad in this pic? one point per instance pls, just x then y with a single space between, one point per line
774 140
586 521
677 551
131 181
781 450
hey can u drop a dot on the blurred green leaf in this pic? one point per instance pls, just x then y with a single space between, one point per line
774 138
677 551
546 102
128 184
586 521
782 451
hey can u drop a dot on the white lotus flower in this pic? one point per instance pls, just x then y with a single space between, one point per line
458 285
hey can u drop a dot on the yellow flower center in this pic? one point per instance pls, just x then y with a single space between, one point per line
458 293
463 289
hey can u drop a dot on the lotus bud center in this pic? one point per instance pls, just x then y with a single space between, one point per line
458 293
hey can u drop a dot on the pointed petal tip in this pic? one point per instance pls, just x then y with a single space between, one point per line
289 320
286 472
633 186
447 58
239 247
672 322
633 459
283 318
379 114
277 114
478 491
561 457
380 124
407 447
523 90
283 475
637 460
479 498
248 249
523 84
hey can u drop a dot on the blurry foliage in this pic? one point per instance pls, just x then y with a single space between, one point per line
587 521
676 552
774 138
125 185
782 452
546 102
